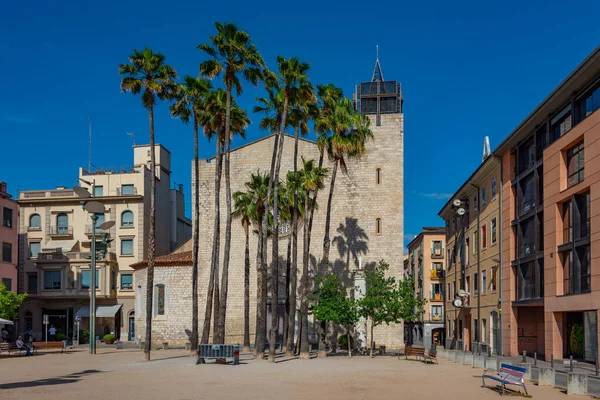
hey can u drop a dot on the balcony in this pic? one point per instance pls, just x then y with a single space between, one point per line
437 253
60 231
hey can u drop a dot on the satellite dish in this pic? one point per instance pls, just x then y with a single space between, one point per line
457 303
81 191
462 293
95 207
461 211
107 225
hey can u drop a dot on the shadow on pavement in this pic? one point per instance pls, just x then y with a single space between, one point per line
60 380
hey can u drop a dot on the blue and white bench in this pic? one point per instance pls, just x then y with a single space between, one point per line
508 375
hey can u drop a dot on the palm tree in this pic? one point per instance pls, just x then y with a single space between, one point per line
245 209
232 52
311 178
345 132
294 86
191 100
148 74
212 118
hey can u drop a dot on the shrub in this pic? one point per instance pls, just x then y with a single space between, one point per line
84 334
60 336
109 338
343 340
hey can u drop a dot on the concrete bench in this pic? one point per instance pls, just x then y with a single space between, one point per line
50 345
218 351
507 375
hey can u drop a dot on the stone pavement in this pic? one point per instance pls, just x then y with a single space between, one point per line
121 374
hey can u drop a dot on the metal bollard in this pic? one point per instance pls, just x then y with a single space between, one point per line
552 361
535 358
571 364
524 356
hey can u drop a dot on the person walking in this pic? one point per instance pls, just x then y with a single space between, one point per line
52 333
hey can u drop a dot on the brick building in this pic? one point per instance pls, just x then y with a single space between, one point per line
9 214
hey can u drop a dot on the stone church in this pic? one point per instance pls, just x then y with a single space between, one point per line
367 224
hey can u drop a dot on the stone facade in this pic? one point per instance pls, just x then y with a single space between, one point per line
361 198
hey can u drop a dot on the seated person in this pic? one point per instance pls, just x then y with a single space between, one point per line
22 346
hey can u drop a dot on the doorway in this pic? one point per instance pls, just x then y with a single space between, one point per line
131 336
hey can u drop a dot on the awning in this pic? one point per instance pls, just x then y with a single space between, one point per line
5 322
102 311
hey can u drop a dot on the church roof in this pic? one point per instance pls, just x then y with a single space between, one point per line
170 260
377 73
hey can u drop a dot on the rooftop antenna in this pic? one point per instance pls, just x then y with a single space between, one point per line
486 148
90 144
132 135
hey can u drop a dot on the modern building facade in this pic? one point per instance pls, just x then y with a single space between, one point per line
472 278
366 223
426 265
55 237
551 222
9 213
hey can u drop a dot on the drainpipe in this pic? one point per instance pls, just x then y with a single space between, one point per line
478 265
499 158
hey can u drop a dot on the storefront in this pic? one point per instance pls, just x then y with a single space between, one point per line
108 319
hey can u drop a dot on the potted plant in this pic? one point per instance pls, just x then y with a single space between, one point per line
84 335
109 338
343 342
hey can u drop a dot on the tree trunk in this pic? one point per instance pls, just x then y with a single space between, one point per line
195 236
215 251
286 308
298 334
294 269
304 346
260 305
323 329
372 341
265 229
349 342
312 211
220 332
326 241
247 290
151 241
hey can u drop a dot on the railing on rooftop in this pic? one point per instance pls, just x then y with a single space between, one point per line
112 170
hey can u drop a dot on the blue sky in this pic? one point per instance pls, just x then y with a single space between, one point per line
468 69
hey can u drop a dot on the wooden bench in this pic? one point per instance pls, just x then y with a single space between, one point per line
417 352
50 345
508 375
9 348
431 356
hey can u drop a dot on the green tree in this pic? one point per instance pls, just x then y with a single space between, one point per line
387 302
148 74
10 303
212 119
333 304
232 52
345 132
190 102
311 178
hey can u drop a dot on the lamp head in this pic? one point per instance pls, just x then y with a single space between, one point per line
81 192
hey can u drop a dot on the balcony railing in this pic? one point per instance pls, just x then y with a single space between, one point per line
89 230
61 231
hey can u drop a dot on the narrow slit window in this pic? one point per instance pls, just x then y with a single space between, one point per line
378 176
378 226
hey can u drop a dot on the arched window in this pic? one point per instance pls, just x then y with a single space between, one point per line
378 226
62 223
127 218
35 222
160 299
378 176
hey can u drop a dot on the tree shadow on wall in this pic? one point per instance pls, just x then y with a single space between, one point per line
352 242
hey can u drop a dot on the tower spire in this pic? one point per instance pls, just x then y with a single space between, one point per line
377 74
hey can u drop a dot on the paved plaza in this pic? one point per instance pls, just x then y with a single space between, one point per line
121 374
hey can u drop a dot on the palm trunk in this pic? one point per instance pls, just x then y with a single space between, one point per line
298 335
151 241
217 250
326 241
304 347
265 226
349 342
214 260
195 236
260 311
294 270
372 341
220 332
322 332
312 211
286 309
247 290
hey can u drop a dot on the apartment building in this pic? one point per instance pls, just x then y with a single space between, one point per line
55 235
9 212
426 265
551 222
472 275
